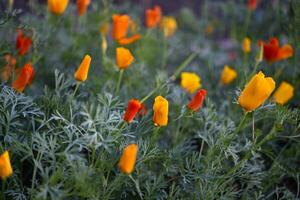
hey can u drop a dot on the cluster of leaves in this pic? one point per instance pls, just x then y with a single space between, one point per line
66 147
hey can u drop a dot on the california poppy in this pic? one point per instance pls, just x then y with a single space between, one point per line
284 93
128 159
120 28
153 17
197 101
83 69
23 43
5 166
82 6
168 25
190 81
256 92
273 52
160 111
24 78
132 109
123 57
57 7
228 75
246 45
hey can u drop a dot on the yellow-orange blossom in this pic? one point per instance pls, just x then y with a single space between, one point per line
256 92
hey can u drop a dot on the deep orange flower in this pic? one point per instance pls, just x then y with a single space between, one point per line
23 43
120 28
252 4
25 78
57 7
197 101
153 17
5 166
82 6
128 159
83 69
132 109
273 52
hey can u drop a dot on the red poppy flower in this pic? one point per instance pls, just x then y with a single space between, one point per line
23 43
133 108
25 78
273 52
197 101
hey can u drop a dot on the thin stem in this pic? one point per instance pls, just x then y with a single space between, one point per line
165 53
253 127
119 81
76 88
3 189
155 135
201 148
173 77
137 186
241 124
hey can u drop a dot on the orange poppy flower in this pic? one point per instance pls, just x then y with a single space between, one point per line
82 6
128 159
132 109
197 101
25 78
273 52
120 28
5 166
252 4
153 17
23 43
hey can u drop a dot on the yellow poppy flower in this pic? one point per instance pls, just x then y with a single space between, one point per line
190 81
228 75
169 26
284 93
161 111
256 92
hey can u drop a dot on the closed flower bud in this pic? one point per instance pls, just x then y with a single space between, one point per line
169 26
123 57
82 6
228 75
190 82
57 7
197 101
133 108
153 17
24 78
246 45
23 43
284 93
83 70
256 92
128 159
161 111
5 166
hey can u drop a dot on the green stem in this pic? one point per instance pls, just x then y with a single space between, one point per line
137 186
3 189
154 135
76 88
165 53
241 124
248 17
173 77
119 81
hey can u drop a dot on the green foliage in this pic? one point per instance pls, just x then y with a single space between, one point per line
66 145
